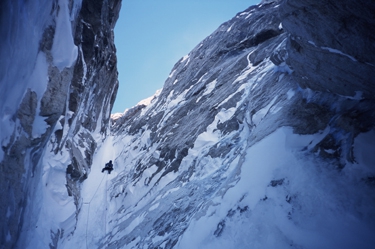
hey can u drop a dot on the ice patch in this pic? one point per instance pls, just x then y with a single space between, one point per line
358 96
312 43
64 51
242 87
290 93
209 88
335 51
148 100
39 126
153 207
185 58
230 28
206 140
259 115
39 77
171 74
243 75
136 221
283 68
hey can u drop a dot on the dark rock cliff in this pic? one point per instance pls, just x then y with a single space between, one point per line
331 46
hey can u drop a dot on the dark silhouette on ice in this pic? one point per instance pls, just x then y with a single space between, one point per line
108 166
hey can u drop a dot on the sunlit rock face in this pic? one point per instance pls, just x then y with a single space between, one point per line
262 137
58 83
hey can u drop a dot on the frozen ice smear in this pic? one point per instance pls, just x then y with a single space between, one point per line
209 88
64 51
336 51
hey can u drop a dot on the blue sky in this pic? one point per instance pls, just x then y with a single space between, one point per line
152 35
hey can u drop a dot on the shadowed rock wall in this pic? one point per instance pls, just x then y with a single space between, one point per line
76 102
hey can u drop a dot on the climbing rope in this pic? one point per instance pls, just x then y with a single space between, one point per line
89 204
106 207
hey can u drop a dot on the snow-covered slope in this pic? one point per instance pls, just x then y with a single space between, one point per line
262 137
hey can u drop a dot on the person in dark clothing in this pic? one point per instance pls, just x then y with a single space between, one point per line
108 166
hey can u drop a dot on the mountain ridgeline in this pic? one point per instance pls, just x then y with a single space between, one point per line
262 136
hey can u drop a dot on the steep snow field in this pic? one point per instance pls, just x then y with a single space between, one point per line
280 198
95 203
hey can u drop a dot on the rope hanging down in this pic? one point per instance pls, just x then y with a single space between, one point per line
89 203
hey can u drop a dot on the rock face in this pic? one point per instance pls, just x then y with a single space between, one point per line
257 139
334 37
53 108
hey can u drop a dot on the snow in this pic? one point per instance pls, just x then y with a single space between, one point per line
249 15
312 43
290 93
311 218
118 115
203 143
259 115
230 28
335 51
39 126
209 88
242 87
38 83
358 96
283 67
136 221
153 207
64 51
171 74
185 58
21 33
244 75
53 198
92 218
39 78
148 100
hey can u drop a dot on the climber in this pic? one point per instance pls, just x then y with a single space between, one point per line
108 166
